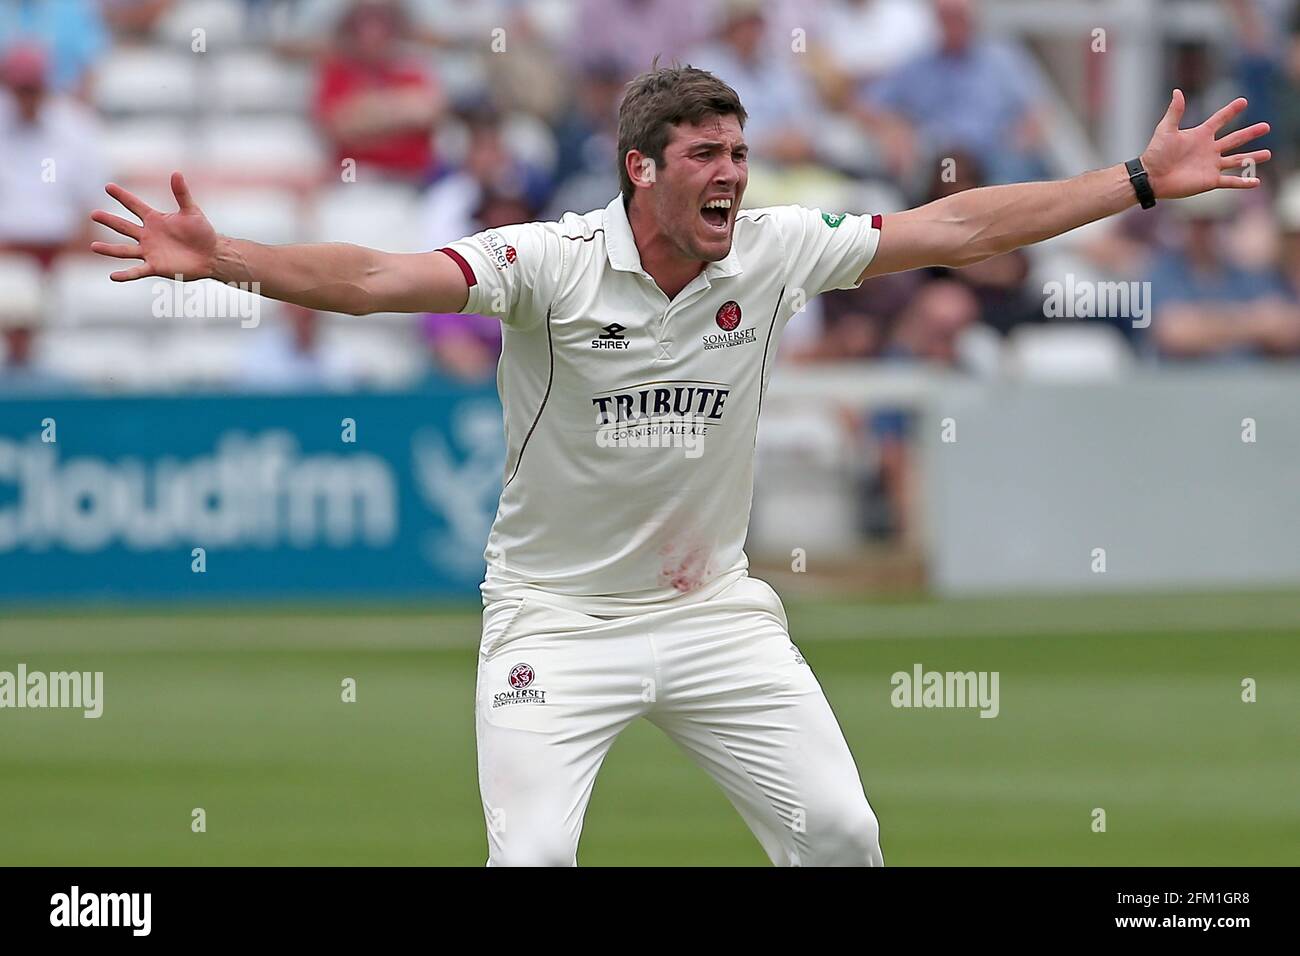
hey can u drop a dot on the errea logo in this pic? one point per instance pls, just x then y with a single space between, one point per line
611 337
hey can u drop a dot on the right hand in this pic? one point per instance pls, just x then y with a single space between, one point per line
172 244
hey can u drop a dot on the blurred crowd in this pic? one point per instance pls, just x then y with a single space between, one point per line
444 117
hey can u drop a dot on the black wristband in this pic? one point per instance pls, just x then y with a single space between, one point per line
1141 184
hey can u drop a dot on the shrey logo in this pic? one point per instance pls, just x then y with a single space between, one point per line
611 337
521 675
728 315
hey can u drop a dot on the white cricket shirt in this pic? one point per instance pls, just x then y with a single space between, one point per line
631 419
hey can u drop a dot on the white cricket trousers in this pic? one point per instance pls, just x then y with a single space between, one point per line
720 677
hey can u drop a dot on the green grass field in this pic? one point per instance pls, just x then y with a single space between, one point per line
1130 704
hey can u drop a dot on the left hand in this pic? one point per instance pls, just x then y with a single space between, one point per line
1185 162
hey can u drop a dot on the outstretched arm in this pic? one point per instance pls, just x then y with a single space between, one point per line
977 224
332 276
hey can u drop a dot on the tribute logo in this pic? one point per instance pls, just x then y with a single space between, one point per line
674 415
103 909
682 399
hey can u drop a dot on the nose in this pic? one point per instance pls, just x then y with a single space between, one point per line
727 173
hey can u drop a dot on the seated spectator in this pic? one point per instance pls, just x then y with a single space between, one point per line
374 105
999 283
855 42
1288 95
1288 214
932 330
781 101
587 132
305 29
855 322
291 356
1256 53
71 32
51 168
466 347
855 319
1204 305
631 33
462 347
453 204
971 93
297 29
532 78
586 168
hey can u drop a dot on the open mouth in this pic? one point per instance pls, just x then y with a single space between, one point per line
716 212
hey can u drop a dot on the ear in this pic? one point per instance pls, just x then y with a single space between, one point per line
641 169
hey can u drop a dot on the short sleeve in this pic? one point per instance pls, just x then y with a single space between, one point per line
512 272
823 250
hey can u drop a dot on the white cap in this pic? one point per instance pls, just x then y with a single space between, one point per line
22 292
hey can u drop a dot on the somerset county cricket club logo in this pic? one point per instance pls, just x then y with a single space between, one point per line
521 691
729 315
728 319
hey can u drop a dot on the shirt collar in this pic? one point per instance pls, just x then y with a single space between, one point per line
623 254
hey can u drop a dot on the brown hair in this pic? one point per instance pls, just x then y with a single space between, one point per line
656 101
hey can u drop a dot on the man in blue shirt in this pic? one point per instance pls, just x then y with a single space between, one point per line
970 94
1205 306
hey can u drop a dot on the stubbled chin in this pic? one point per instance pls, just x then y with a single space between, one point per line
715 249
